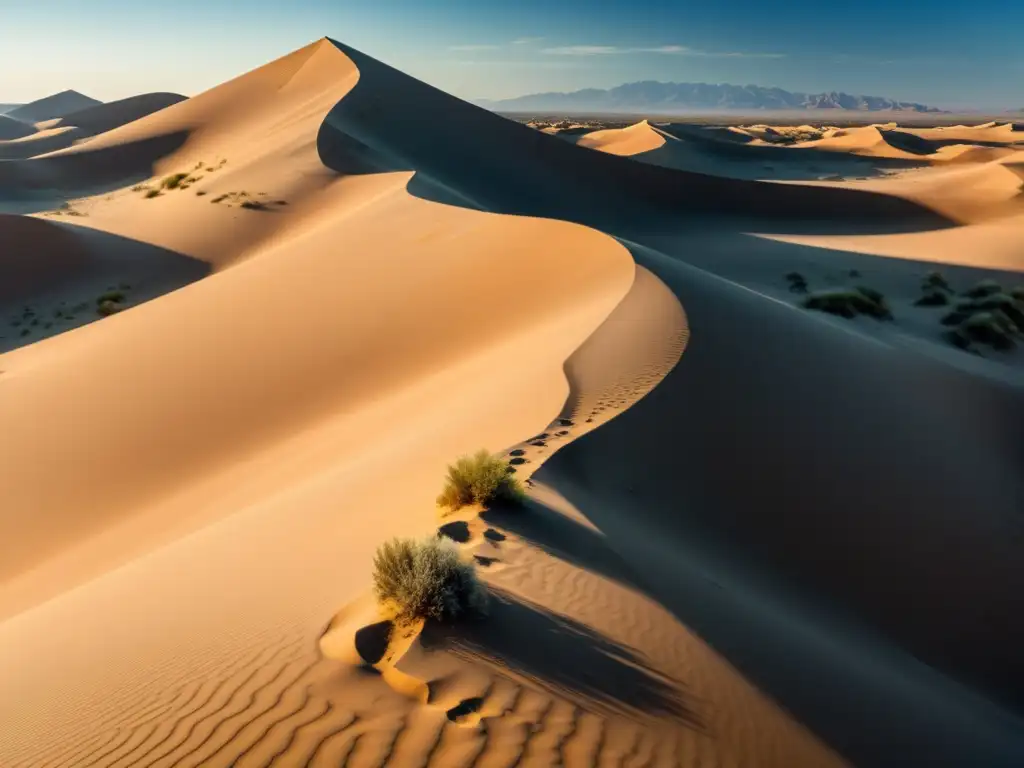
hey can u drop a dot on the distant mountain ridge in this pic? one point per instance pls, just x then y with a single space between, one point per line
651 95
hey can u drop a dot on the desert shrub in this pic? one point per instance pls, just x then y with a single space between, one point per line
479 479
173 181
219 199
849 303
107 308
984 288
933 298
152 193
426 579
110 296
992 328
253 205
797 282
1001 302
935 280
201 192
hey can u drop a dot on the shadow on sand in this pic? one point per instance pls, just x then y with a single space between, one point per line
558 654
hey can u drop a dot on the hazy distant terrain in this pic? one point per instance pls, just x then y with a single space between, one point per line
5 108
676 97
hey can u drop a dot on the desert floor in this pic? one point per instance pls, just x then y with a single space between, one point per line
242 335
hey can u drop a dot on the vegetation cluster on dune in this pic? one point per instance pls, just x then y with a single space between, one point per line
419 579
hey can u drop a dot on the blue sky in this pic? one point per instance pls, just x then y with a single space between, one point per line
942 52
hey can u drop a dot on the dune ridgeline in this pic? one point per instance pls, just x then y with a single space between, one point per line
244 334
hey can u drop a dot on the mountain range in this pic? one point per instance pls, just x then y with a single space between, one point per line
652 96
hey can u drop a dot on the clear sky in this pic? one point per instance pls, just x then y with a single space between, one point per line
947 53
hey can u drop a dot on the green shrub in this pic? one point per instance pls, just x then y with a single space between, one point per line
426 579
480 479
992 328
152 193
173 181
984 288
935 280
1002 302
797 282
933 298
850 302
110 296
107 308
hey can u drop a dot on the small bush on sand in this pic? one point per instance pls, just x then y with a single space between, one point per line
173 181
849 303
982 289
797 282
480 479
933 298
253 205
152 193
992 328
107 308
1003 302
426 579
935 280
110 296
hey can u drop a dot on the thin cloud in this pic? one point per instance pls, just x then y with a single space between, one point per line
527 40
670 50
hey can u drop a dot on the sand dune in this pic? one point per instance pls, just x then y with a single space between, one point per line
57 105
717 562
14 129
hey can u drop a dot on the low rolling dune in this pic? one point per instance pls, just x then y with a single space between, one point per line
261 321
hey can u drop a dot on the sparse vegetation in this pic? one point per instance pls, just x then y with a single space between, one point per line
173 181
991 328
480 479
426 579
152 193
116 296
201 192
933 298
982 289
992 318
935 280
253 205
107 308
847 302
797 282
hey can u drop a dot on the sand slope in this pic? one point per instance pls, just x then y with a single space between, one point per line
193 590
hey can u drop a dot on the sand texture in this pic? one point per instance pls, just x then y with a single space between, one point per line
242 335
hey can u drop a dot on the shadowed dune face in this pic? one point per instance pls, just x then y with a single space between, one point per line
752 486
542 175
52 276
14 129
